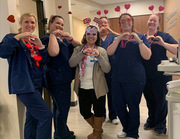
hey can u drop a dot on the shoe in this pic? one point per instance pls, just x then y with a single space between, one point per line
121 134
73 137
159 132
115 121
72 132
131 138
148 126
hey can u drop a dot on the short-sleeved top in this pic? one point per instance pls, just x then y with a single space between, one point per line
158 54
58 69
105 43
128 65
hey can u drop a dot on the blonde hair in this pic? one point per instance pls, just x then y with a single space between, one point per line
22 18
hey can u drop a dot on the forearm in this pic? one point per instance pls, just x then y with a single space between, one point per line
53 46
172 48
112 48
144 51
75 42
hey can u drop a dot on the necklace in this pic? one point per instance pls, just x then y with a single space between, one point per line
123 45
34 52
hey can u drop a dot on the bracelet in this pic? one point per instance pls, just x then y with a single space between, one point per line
140 42
71 39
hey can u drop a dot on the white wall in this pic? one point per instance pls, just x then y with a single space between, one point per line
137 8
8 104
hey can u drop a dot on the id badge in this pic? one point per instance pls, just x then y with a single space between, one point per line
93 59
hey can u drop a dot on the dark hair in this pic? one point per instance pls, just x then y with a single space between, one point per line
98 41
52 18
105 18
132 20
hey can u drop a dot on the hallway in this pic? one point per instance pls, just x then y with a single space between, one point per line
77 124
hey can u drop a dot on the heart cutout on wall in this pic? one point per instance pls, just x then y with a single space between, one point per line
11 18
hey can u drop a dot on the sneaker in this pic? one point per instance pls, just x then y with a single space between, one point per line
148 126
115 121
159 132
121 134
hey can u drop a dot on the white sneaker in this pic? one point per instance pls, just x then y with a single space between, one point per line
115 121
121 134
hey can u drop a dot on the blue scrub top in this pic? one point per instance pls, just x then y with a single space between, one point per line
58 69
128 66
158 54
108 41
23 76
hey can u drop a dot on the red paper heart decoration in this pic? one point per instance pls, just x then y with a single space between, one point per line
127 6
98 12
11 18
60 6
105 11
117 9
151 7
161 8
69 12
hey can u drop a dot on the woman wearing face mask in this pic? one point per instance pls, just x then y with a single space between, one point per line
26 56
128 75
107 37
60 46
155 89
91 62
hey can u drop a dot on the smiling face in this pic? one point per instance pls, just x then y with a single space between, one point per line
153 22
28 24
126 23
91 35
57 23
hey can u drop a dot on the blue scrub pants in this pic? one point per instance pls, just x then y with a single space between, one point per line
112 114
38 123
61 95
128 94
155 94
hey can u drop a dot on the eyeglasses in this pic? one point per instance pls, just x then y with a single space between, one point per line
88 34
123 21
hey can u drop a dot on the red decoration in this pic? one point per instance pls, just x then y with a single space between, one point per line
69 12
60 6
151 8
117 9
34 52
127 6
105 12
87 20
161 8
97 20
11 18
98 12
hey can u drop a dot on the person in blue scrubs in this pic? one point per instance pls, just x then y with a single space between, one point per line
60 47
128 75
26 56
155 89
107 37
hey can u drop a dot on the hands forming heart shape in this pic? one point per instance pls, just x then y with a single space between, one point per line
128 36
153 39
91 52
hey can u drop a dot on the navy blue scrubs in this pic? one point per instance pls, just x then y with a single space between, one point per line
25 80
112 115
59 77
155 89
128 80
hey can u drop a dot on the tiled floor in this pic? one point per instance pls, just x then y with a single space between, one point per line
77 124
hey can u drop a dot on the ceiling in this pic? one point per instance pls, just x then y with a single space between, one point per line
81 8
